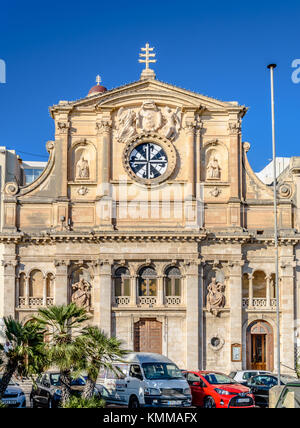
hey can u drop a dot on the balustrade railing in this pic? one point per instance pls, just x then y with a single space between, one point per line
259 303
34 302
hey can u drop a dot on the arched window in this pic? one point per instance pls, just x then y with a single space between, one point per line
173 282
147 282
122 282
245 283
49 285
259 284
22 285
36 284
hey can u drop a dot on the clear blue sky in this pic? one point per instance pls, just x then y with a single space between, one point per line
54 50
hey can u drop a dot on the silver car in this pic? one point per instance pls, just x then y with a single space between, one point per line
14 396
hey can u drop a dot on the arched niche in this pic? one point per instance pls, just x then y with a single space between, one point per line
82 162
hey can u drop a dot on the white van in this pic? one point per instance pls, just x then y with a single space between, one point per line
145 380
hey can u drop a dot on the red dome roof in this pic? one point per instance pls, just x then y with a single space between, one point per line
98 89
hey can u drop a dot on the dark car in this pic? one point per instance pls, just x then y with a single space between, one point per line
46 392
260 386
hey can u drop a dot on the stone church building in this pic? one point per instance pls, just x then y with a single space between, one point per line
149 215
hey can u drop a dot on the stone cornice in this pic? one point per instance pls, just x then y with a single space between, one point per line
202 236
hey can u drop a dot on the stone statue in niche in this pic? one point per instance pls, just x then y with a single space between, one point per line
82 168
173 122
150 117
82 294
127 123
213 169
215 297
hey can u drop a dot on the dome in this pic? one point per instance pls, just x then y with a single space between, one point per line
98 89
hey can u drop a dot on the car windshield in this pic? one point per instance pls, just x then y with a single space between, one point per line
11 382
161 371
55 380
218 379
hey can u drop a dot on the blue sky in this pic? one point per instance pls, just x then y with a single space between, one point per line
53 51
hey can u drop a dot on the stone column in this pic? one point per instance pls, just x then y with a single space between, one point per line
192 315
268 291
45 290
236 308
27 278
61 292
17 291
133 290
235 167
105 295
190 130
9 284
250 305
104 138
62 132
160 290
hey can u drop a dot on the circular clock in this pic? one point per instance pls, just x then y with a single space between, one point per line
148 161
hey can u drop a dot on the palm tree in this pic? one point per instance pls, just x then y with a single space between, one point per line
98 350
25 355
63 323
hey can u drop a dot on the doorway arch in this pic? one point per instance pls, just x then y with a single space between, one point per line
260 346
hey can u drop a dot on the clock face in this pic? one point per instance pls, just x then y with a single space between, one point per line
148 161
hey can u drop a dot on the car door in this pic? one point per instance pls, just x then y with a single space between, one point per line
45 391
197 386
134 380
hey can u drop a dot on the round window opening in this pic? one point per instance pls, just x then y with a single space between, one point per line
215 342
148 161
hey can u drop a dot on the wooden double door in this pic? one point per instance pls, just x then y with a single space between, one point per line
148 336
260 346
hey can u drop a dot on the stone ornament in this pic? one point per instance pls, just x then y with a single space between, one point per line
215 297
81 295
215 192
149 118
127 124
216 343
11 188
82 191
50 146
82 169
285 191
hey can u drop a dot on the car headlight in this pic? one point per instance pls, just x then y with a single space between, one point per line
187 391
222 391
152 391
21 394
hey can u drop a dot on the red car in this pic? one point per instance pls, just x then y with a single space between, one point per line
212 389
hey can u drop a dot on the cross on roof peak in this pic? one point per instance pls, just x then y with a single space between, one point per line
146 57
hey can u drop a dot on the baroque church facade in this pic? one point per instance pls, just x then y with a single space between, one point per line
149 215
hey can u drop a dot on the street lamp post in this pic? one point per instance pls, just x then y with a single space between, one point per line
271 67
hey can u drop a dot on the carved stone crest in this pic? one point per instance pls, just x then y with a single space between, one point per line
149 118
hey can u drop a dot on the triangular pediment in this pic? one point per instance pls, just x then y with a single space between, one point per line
156 90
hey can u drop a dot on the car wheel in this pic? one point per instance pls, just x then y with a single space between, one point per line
209 403
133 403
